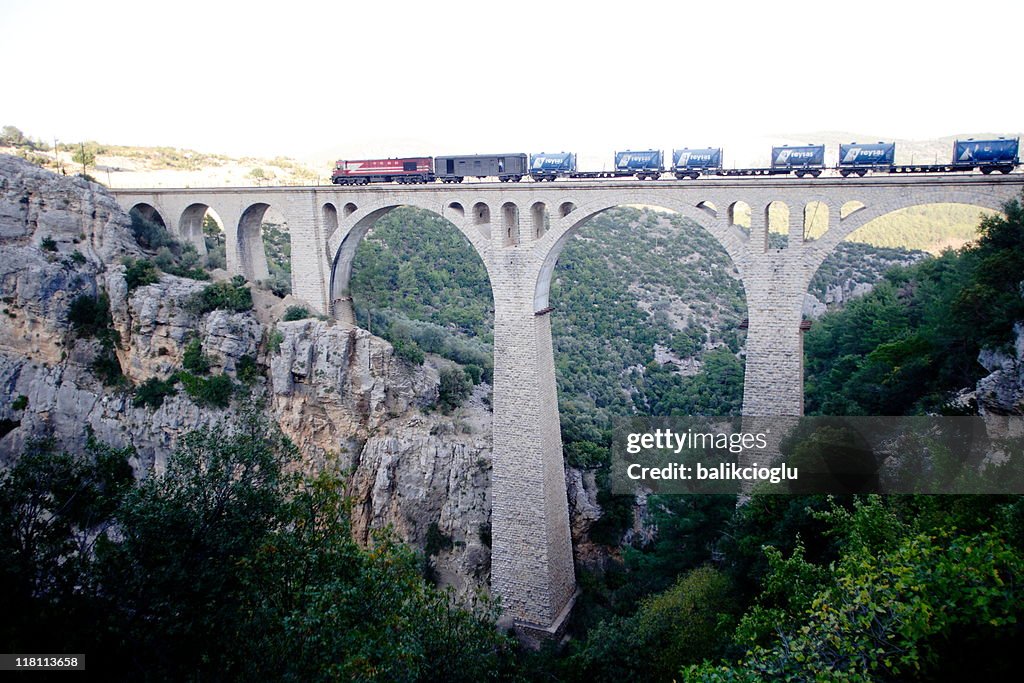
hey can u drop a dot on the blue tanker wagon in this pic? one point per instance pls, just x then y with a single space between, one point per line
692 163
855 159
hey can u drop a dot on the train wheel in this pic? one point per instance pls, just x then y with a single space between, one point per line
815 173
862 172
1006 169
986 170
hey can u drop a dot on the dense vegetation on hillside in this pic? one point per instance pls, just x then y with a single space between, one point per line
224 567
914 341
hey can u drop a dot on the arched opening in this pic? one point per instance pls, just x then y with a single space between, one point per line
815 220
565 209
214 240
329 216
510 224
264 248
482 218
739 215
708 208
850 208
777 220
349 209
858 266
149 213
653 299
192 226
927 227
457 209
540 219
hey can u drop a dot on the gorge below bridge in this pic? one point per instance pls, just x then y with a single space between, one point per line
519 230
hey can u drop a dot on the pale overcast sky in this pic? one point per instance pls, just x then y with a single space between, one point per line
395 78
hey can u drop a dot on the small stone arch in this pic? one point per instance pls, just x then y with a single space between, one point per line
329 215
540 219
708 208
457 209
510 224
739 215
776 220
850 208
565 209
482 218
349 209
816 220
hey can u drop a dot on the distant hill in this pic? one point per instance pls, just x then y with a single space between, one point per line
132 166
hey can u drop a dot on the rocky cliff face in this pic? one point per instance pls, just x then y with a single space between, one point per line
337 391
1002 391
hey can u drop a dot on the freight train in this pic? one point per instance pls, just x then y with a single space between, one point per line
857 159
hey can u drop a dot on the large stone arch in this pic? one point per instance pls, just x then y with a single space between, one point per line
733 240
190 225
841 228
346 246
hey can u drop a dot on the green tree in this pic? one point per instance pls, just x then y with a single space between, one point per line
84 155
11 136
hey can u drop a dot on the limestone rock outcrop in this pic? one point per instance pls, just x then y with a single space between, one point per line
340 393
1002 391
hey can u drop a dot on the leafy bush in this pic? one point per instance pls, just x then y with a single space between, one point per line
296 313
214 391
193 359
153 391
89 315
475 372
247 370
229 296
455 387
139 273
78 257
274 340
407 350
686 624
183 262
20 403
148 233
437 540
48 244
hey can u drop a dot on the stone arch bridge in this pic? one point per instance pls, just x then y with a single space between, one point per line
519 230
